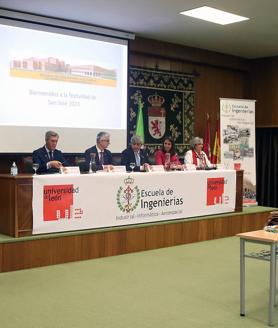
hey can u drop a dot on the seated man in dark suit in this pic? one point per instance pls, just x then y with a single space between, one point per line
134 157
99 153
50 159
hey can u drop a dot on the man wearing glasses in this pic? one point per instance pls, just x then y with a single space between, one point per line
99 153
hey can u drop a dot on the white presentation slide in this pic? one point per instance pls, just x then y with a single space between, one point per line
75 85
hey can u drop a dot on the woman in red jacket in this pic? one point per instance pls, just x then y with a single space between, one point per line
167 155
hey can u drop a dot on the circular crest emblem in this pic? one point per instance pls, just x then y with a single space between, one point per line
226 108
128 196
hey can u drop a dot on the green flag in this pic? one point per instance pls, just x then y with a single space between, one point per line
140 122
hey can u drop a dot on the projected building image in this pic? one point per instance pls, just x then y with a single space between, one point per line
56 69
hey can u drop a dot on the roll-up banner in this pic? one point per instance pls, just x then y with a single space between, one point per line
237 131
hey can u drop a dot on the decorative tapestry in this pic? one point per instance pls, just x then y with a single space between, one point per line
167 102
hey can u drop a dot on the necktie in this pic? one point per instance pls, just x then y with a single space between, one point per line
51 155
101 158
137 158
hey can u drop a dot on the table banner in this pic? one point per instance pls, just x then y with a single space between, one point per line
65 203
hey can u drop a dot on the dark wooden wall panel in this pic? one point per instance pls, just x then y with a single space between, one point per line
41 252
218 75
93 246
179 53
7 206
173 234
115 242
205 230
24 206
190 232
264 88
155 237
254 223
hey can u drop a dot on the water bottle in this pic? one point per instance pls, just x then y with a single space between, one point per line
14 170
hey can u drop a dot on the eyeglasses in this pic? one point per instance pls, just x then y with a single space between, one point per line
105 140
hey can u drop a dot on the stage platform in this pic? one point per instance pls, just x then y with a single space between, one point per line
50 249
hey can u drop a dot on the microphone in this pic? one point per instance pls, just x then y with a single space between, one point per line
206 167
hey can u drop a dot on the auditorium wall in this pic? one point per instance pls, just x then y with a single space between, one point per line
217 75
264 88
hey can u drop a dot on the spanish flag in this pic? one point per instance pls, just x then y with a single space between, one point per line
216 154
206 148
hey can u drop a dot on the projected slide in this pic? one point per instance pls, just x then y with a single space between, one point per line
55 80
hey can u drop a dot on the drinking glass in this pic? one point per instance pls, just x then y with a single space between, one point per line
167 163
173 166
167 158
227 165
132 166
92 164
35 167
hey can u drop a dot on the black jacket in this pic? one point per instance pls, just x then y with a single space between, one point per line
128 157
107 157
40 156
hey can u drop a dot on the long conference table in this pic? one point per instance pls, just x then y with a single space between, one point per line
53 203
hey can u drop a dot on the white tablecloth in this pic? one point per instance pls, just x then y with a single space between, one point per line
74 202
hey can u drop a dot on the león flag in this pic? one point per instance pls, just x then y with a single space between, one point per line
140 122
